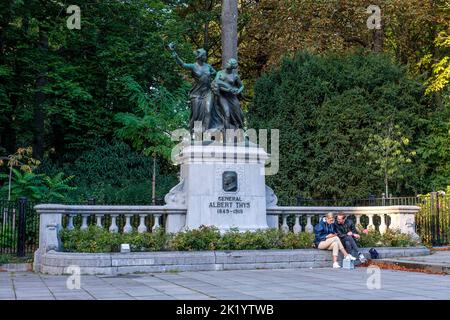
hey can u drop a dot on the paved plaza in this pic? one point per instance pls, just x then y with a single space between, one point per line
230 285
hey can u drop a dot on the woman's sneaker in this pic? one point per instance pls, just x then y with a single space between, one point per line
350 257
336 265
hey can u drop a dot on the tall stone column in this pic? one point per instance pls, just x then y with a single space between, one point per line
229 30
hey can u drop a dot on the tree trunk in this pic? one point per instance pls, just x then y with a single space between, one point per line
378 38
386 183
206 38
39 101
154 182
229 30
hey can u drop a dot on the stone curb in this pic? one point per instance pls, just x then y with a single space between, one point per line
419 265
56 263
16 267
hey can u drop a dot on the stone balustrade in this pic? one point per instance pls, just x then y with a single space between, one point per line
54 217
393 217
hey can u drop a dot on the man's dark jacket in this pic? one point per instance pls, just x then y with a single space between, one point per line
343 229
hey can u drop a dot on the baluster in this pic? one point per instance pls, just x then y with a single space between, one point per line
370 224
70 225
114 227
358 219
128 228
382 227
297 227
84 217
99 220
284 226
309 227
142 227
156 224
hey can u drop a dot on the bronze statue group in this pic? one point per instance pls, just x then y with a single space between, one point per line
214 97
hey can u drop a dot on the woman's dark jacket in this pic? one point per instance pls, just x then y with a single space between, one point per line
321 230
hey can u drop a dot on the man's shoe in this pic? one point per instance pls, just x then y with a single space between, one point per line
350 257
362 258
336 265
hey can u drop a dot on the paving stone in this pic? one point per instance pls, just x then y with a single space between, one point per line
305 284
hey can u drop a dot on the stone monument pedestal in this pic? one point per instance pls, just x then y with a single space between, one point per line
222 185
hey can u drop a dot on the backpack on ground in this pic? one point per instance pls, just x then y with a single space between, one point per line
373 253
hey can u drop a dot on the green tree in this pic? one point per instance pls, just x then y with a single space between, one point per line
386 151
24 184
57 187
156 114
328 108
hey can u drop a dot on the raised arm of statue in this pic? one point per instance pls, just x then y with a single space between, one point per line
180 62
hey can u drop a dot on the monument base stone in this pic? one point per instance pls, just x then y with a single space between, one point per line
222 185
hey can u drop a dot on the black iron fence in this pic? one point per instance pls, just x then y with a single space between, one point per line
369 201
19 227
433 220
19 223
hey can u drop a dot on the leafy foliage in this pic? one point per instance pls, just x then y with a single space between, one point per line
390 238
328 109
115 174
157 114
96 239
24 184
36 187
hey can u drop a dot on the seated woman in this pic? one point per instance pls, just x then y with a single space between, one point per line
327 239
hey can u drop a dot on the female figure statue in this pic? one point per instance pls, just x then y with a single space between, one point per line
227 86
201 98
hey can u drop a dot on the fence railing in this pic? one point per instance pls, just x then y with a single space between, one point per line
19 227
19 221
433 219
354 202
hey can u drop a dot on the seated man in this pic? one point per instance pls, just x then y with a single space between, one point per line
346 231
327 239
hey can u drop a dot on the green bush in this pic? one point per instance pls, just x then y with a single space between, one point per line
394 238
204 238
298 241
260 239
96 240
93 239
370 239
155 241
391 238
